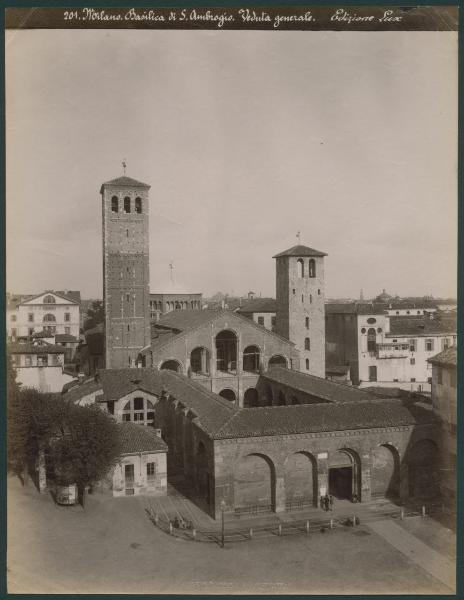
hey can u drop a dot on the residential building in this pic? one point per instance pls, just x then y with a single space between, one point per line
39 365
388 350
49 312
262 311
444 400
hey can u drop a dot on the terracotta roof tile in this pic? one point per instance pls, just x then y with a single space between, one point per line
300 250
420 326
139 438
313 418
326 390
125 182
259 305
448 357
29 348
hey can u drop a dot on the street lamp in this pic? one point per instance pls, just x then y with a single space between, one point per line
222 506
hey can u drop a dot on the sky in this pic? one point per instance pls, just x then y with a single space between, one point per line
246 138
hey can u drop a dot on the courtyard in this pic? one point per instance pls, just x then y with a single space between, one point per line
112 547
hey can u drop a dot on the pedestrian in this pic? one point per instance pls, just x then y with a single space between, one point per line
321 502
331 501
326 502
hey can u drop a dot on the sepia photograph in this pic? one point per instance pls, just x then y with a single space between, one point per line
231 300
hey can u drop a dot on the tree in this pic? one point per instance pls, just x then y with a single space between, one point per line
95 315
85 448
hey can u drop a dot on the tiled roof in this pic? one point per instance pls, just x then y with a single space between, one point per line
28 348
420 325
125 182
139 438
326 390
448 357
300 250
42 334
65 337
356 308
211 409
120 382
313 418
262 305
73 295
80 390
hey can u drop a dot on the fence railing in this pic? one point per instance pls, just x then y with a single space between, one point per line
188 530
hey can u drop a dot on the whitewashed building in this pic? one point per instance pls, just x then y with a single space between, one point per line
49 312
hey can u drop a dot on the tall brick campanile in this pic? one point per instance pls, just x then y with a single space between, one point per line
300 305
126 293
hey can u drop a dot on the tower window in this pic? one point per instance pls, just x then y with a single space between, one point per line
312 268
307 322
310 298
302 298
127 297
307 364
127 203
114 204
318 292
294 291
138 205
307 344
300 267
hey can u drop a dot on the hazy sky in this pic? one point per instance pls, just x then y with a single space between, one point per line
245 138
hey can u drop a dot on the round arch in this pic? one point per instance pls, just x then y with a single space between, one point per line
228 394
277 361
171 365
250 398
300 477
385 473
345 474
226 342
200 361
251 359
255 483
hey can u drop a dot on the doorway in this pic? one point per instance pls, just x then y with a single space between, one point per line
129 479
341 482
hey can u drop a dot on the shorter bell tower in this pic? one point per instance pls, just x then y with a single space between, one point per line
300 304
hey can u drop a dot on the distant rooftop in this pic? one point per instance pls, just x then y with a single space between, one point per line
300 250
259 305
422 325
136 439
124 182
29 348
448 357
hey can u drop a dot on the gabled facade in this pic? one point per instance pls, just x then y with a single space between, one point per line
222 350
49 312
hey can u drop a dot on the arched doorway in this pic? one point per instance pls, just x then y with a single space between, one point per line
385 474
423 469
228 394
277 361
254 483
172 365
251 359
300 480
345 474
226 352
250 398
199 361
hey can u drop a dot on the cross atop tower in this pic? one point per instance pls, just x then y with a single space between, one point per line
298 236
124 165
171 275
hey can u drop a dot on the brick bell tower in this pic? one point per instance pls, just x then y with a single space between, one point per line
126 292
300 304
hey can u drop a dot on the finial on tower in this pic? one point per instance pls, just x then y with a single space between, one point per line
171 267
124 165
298 237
